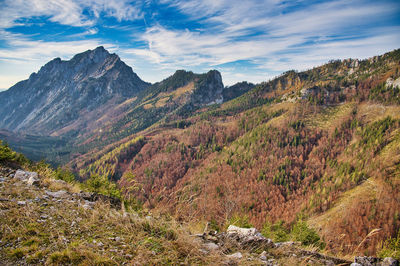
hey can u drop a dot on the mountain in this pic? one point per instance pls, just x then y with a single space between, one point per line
65 96
317 148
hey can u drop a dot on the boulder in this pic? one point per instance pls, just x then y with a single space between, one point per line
388 261
25 175
235 256
366 261
33 180
210 246
248 236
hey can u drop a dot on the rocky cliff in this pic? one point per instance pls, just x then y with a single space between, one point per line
63 92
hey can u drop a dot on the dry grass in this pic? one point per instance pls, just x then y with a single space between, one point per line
48 231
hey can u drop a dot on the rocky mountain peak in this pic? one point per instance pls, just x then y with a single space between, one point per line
55 96
209 89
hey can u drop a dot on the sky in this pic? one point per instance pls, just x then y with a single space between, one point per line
252 40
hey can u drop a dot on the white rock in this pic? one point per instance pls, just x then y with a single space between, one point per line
263 256
33 180
242 232
236 255
24 175
388 261
21 203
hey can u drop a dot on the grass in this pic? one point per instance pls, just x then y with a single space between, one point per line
59 233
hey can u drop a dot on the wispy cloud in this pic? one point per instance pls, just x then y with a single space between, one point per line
67 12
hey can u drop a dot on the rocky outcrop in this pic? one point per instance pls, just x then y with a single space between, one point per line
372 261
63 91
390 82
208 89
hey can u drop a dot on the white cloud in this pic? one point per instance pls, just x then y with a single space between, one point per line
67 12
266 33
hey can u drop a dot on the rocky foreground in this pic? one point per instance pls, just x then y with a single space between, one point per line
45 221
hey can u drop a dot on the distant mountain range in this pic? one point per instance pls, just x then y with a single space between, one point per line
320 145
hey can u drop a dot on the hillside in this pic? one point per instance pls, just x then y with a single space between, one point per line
320 147
48 221
296 146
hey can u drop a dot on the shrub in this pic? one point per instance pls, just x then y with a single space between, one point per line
277 232
307 236
8 155
240 221
391 248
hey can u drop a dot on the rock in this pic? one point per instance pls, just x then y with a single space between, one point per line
58 194
117 239
2 179
288 243
21 203
88 205
242 232
263 256
210 246
366 261
236 256
388 261
33 181
355 264
44 216
392 82
248 236
24 175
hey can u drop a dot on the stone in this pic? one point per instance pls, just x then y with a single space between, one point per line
58 194
263 256
21 202
248 236
389 261
242 232
210 246
33 181
236 256
25 175
366 261
355 264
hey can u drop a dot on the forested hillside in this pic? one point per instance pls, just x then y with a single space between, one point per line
321 145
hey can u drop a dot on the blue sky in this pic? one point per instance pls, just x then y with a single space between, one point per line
251 40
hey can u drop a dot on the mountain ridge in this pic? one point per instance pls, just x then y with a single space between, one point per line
87 80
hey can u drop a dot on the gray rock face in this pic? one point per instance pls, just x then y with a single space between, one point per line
33 181
248 236
209 89
29 177
388 261
61 91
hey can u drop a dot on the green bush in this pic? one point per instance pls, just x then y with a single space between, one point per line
8 155
391 248
300 232
65 175
307 236
101 185
277 232
240 221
